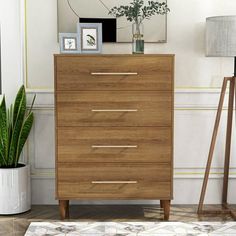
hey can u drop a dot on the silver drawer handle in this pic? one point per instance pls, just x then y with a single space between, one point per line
114 110
114 182
114 146
114 73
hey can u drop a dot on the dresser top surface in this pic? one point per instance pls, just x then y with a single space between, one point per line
113 55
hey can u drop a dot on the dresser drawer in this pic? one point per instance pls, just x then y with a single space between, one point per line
114 144
85 190
114 108
114 180
114 73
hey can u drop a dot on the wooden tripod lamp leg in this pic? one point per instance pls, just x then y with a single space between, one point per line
213 141
228 141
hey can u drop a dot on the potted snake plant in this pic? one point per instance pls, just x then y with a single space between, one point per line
15 125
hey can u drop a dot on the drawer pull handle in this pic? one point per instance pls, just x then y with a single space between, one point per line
114 73
114 110
114 182
114 146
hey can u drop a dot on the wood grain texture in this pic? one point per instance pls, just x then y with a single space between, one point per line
55 121
150 181
75 144
64 209
154 73
114 127
143 190
112 213
166 206
212 146
228 141
76 172
88 108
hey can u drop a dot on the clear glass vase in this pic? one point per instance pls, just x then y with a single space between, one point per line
138 38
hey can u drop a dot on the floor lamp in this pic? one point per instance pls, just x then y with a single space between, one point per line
221 42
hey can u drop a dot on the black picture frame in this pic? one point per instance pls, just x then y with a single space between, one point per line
109 25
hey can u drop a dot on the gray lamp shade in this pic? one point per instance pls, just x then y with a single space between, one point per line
221 36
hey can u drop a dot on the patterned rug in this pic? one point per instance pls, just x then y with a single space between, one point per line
131 229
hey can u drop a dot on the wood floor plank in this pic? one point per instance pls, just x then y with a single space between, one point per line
18 224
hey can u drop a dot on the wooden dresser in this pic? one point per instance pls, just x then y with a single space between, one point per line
114 128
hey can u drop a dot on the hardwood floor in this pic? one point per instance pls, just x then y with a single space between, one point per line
16 225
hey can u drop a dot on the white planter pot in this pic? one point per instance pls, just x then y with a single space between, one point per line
15 196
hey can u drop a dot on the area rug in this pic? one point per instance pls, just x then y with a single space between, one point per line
131 229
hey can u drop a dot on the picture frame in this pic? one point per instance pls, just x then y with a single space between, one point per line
90 35
69 43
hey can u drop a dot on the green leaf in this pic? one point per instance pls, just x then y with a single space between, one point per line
3 161
20 103
32 103
137 12
3 129
27 125
17 102
15 126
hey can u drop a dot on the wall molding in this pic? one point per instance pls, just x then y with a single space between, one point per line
185 99
179 173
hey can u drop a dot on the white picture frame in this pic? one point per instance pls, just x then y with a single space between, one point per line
69 43
90 35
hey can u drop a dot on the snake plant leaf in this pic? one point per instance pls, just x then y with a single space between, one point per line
3 162
3 128
10 124
20 103
32 104
15 125
20 94
26 127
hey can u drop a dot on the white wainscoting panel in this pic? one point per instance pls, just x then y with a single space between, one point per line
193 131
42 141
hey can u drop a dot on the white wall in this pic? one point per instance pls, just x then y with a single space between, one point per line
197 80
186 25
12 58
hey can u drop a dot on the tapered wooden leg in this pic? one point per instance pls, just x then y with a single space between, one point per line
64 209
213 141
68 210
228 141
161 203
166 206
